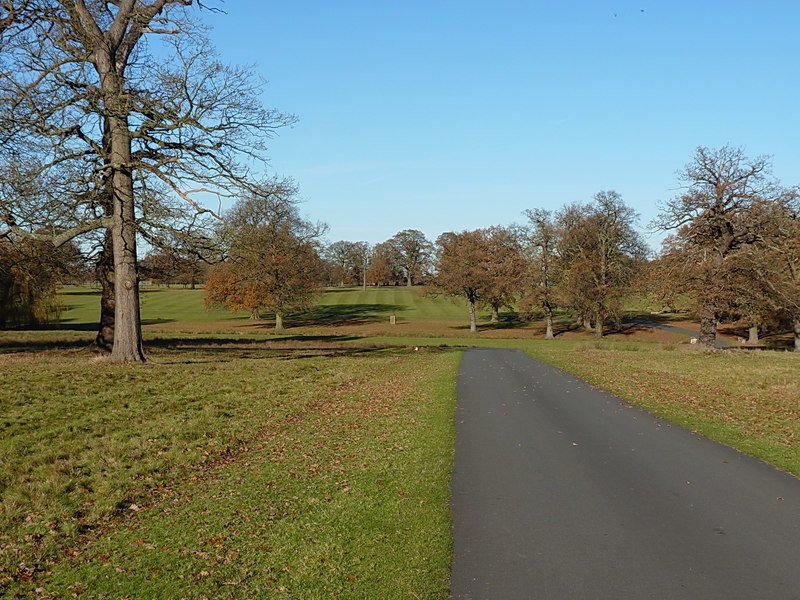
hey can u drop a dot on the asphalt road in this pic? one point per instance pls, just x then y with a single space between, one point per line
721 343
561 491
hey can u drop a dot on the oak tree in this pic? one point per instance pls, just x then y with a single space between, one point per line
272 255
601 254
504 269
543 272
462 268
412 252
91 107
383 268
720 212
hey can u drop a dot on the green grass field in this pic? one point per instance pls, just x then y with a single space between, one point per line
81 306
227 469
336 306
315 463
403 301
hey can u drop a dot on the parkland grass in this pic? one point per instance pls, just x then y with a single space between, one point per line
227 471
160 305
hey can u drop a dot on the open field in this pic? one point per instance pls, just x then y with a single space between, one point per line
161 306
314 463
340 311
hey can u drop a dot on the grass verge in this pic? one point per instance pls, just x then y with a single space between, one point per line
317 473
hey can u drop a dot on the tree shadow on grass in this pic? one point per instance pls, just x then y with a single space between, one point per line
98 291
167 342
66 325
223 349
345 314
75 337
504 321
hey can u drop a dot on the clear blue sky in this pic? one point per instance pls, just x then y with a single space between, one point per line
446 116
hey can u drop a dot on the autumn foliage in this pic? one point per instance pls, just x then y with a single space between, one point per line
270 269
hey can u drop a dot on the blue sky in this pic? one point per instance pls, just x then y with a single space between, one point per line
446 116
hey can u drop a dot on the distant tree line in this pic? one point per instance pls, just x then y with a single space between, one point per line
733 252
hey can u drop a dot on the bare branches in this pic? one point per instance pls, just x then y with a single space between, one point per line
195 124
83 99
727 221
56 239
719 184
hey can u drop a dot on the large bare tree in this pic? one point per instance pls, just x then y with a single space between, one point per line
721 211
93 106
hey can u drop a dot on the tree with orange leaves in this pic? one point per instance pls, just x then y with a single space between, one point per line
273 259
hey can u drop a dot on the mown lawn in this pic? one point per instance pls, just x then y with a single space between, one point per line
228 469
351 305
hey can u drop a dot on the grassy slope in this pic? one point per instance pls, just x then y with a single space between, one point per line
158 305
405 302
229 471
161 305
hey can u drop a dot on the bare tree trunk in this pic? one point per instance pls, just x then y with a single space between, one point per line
128 345
708 329
278 321
587 323
796 325
364 281
548 317
104 341
472 326
598 325
255 314
752 337
408 279
495 314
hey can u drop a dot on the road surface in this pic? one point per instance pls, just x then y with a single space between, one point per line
721 343
561 491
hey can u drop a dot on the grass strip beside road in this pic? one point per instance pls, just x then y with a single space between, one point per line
310 472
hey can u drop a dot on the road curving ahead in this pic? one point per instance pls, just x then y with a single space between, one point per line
563 491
